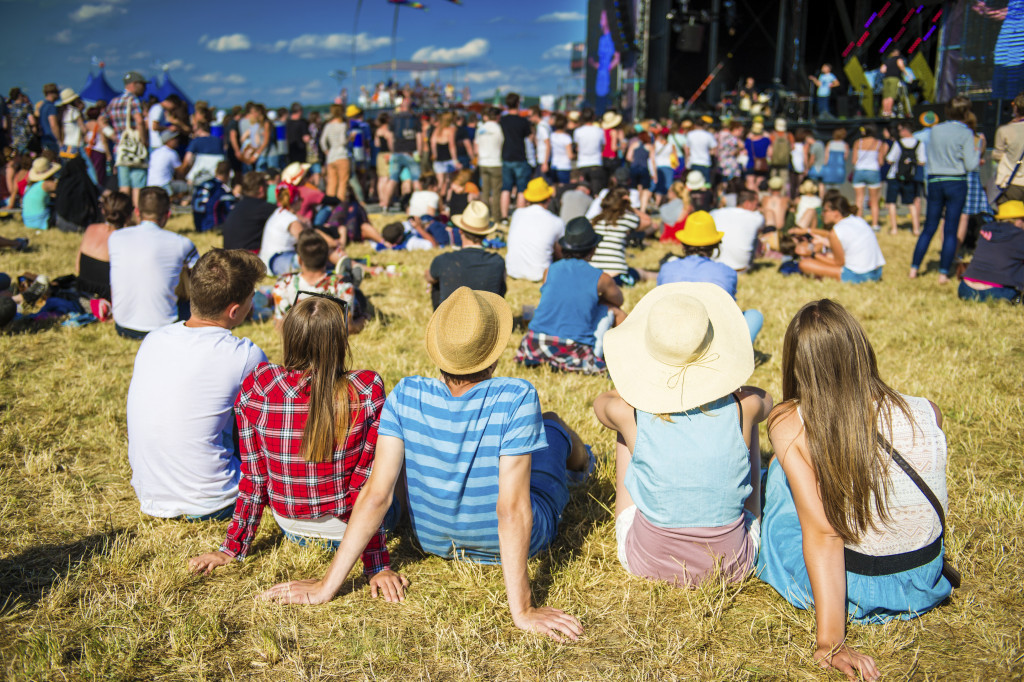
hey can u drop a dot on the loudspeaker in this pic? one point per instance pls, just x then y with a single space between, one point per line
690 37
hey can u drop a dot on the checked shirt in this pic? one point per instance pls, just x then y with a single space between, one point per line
121 111
271 411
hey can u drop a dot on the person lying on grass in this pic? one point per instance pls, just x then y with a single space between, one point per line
687 458
307 430
183 388
487 473
845 528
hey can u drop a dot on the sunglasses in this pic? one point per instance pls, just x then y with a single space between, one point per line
340 301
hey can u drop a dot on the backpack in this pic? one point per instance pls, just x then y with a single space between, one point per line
781 151
906 166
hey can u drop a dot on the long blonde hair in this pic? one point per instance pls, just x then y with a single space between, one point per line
829 370
315 335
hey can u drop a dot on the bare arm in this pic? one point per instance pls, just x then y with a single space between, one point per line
608 292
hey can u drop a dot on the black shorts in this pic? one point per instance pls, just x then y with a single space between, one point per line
906 192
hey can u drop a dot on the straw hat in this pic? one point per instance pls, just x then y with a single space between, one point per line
42 169
579 236
776 183
700 230
294 172
67 96
574 116
695 181
808 186
468 331
684 345
611 120
780 125
538 190
476 219
1010 210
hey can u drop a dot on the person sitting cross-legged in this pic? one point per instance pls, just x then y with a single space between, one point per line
487 472
472 265
183 388
578 303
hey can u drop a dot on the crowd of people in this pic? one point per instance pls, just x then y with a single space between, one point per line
470 461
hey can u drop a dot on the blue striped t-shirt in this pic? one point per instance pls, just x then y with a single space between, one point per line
452 446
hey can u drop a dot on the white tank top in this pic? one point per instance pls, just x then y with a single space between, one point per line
867 159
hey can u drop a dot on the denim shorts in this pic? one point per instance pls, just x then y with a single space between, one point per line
515 174
871 178
403 163
905 192
967 293
851 277
134 178
444 167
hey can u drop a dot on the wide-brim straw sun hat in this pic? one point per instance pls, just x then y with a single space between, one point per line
469 331
1010 210
700 230
294 172
611 120
42 169
476 219
67 96
684 345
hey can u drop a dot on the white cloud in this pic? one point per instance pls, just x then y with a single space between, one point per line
228 43
311 45
477 77
178 65
62 37
216 90
218 77
87 12
562 51
560 16
140 55
474 49
282 91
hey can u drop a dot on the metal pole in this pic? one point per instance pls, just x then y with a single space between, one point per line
394 44
644 34
716 10
355 35
780 42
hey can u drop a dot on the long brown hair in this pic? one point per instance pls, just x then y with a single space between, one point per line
829 370
613 206
315 335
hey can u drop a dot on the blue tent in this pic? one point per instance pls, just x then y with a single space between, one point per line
152 88
97 88
171 88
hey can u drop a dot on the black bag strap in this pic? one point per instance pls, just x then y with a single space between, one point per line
916 478
1009 181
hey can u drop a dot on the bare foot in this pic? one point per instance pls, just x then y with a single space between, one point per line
943 279
893 233
913 273
578 459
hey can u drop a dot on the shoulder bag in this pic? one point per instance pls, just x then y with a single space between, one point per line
131 149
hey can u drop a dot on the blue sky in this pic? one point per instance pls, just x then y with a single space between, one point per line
279 51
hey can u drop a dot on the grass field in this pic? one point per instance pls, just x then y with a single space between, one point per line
92 589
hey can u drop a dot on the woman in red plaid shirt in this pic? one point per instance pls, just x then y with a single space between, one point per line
290 418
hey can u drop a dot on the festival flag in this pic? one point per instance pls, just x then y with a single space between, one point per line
408 3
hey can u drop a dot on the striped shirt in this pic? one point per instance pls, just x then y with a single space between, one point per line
452 446
610 255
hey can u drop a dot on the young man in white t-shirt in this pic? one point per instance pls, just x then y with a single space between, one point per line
487 143
146 262
533 234
700 144
186 378
589 139
741 226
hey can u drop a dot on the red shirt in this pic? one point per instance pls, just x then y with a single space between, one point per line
271 411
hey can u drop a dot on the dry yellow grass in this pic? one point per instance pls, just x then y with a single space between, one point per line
90 588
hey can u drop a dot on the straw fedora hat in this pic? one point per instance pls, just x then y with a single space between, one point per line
683 346
67 96
538 190
776 183
695 181
469 331
294 172
611 120
1010 210
42 169
700 230
476 219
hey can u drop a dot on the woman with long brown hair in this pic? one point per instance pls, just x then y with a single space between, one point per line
616 221
307 431
846 527
444 150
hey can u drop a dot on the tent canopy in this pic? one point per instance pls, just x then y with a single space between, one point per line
171 88
399 65
152 89
97 88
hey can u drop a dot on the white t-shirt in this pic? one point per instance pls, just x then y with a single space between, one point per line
893 157
740 227
424 202
560 142
71 129
663 154
700 143
531 241
413 241
595 205
162 162
156 115
277 238
860 246
181 417
589 145
489 138
807 202
145 265
543 134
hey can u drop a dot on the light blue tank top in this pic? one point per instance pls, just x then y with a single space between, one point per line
568 305
692 472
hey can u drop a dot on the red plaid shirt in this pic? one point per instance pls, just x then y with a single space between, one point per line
271 410
122 110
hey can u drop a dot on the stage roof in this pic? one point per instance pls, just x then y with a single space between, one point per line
400 65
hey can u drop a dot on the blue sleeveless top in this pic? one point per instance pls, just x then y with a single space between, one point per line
692 472
568 305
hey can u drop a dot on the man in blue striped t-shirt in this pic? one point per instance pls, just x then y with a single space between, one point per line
487 473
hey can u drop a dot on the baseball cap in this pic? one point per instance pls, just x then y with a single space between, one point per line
134 77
